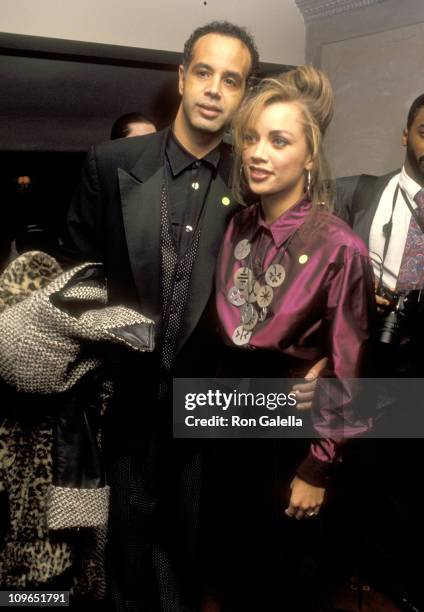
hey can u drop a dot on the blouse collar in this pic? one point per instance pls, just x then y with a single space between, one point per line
287 223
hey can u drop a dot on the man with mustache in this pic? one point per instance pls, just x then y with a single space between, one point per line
154 209
388 213
367 203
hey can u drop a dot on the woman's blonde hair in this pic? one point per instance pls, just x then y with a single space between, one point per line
310 89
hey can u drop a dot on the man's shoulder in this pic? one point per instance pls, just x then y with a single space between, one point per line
365 178
125 152
356 192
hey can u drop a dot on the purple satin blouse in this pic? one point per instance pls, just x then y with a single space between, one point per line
322 308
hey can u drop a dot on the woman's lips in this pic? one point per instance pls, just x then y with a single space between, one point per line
209 111
257 175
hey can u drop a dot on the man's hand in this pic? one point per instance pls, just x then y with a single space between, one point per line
305 499
382 303
305 391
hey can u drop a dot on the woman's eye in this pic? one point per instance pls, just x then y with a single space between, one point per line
249 138
279 141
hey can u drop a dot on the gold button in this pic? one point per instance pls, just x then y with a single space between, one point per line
195 186
226 201
303 259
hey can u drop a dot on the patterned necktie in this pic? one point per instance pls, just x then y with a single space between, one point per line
411 273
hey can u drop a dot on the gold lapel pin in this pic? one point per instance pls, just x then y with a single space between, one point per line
303 259
226 201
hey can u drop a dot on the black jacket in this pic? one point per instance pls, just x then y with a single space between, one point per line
115 218
357 199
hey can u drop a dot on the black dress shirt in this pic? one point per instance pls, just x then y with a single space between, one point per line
188 182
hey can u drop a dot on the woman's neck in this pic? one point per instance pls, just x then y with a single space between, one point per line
274 205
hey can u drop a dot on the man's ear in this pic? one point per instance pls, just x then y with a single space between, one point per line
181 78
404 139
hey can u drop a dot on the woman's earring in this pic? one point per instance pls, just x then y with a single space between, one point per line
308 184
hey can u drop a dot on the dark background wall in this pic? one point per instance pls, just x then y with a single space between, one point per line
57 98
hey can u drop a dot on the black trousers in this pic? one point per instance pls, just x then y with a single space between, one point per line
386 488
155 490
257 558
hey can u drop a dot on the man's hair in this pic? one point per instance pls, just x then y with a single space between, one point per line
416 105
121 127
225 28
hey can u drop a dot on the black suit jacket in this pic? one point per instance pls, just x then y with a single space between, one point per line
359 212
115 218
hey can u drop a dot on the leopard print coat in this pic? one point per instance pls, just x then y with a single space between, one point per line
32 556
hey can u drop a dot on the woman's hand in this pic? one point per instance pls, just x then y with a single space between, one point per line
305 391
305 499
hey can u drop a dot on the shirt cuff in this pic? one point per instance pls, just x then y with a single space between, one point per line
315 472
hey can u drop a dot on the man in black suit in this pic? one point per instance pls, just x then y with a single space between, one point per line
368 204
153 209
388 213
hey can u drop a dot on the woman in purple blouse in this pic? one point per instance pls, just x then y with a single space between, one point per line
293 281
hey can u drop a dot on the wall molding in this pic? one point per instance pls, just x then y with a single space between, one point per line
319 9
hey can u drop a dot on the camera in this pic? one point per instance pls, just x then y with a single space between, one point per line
396 323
